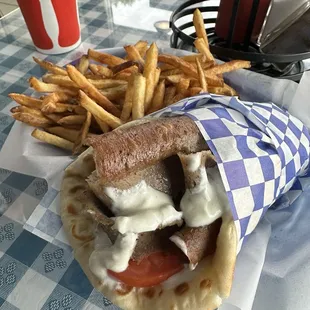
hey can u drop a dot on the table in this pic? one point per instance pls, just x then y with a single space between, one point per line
38 271
34 273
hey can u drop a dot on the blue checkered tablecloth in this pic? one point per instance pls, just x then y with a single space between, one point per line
36 273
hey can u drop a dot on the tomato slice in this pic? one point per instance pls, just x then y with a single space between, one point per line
152 270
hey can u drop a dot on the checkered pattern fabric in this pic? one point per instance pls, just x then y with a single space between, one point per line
45 220
30 264
19 194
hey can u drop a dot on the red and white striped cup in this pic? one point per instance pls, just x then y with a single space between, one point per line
54 25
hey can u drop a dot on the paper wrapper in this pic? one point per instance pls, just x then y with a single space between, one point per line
260 150
247 139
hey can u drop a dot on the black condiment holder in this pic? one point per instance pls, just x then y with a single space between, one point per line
227 50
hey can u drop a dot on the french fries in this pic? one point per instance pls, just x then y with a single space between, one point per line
33 120
94 98
91 90
54 117
179 63
200 27
78 143
115 93
192 58
169 95
104 58
66 133
65 81
127 107
178 97
139 93
66 107
72 120
207 65
49 88
189 69
107 83
193 91
194 83
83 64
171 72
149 72
103 126
142 47
203 48
133 53
52 139
92 76
98 111
156 76
201 75
60 80
24 109
174 79
27 101
100 70
50 66
158 99
165 67
182 86
49 102
220 91
125 76
129 66
229 66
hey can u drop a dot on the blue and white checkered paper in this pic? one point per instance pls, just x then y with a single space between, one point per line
260 150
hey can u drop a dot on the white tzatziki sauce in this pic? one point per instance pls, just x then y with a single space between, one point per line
102 241
141 208
115 256
194 163
207 201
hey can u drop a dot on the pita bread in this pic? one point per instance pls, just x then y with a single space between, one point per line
212 278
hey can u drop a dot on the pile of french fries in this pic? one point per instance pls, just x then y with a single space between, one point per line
104 91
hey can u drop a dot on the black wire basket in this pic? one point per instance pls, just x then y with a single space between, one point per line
289 66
